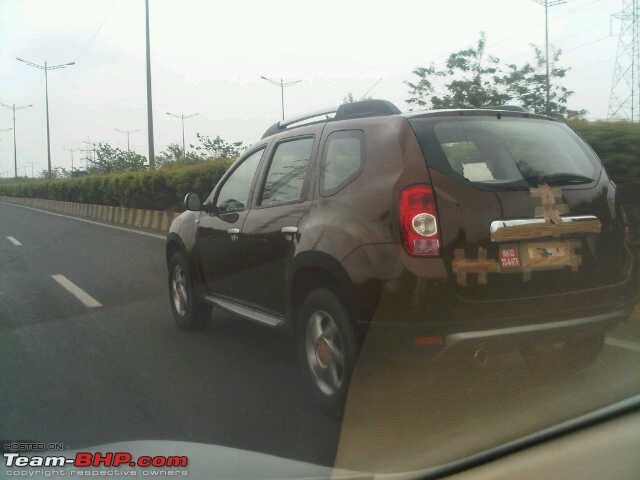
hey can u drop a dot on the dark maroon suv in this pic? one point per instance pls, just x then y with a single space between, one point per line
446 228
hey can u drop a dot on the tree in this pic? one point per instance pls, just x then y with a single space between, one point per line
528 85
349 98
213 148
57 172
173 153
208 148
472 79
110 159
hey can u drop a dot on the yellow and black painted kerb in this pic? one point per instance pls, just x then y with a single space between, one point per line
158 220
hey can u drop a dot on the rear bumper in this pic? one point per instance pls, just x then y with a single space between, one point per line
437 339
419 315
582 325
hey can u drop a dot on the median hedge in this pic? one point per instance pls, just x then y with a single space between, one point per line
159 189
618 145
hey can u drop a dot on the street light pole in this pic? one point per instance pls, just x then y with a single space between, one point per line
15 150
128 134
71 151
46 102
281 84
6 130
46 68
182 117
546 4
282 97
152 154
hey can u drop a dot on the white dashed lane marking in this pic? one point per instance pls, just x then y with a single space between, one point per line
626 344
14 241
86 299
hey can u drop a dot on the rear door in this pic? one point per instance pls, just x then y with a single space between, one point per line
525 208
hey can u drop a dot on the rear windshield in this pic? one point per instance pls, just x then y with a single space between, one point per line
498 151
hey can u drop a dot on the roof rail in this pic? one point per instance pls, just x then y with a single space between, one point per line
282 125
363 108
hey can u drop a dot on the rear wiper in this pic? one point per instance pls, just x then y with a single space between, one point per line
558 179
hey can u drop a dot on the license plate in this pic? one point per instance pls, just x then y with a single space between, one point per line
509 257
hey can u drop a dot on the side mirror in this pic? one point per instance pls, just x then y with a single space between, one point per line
192 202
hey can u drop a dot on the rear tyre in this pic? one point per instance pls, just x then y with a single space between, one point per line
327 349
573 354
189 312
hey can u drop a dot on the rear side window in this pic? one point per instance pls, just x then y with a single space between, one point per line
342 160
494 151
287 171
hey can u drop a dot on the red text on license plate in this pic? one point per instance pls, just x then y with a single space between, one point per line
509 257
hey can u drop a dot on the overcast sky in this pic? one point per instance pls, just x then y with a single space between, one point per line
207 58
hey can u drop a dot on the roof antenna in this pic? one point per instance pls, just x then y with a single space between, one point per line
371 88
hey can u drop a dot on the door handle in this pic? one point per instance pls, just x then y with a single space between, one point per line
289 232
233 233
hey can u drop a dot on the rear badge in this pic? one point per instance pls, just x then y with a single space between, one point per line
509 257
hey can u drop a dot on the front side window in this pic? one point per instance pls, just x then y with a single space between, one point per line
287 171
342 160
234 194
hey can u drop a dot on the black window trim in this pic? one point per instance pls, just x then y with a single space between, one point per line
267 165
330 192
212 199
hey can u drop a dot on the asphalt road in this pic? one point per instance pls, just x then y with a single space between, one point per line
122 371
85 375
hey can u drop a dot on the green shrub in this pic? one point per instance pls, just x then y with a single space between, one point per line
618 145
159 189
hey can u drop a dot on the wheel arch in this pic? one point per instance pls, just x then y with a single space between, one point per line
312 270
175 244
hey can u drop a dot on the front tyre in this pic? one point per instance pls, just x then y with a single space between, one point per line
327 348
189 312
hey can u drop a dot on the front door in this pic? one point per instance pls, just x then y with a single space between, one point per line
219 238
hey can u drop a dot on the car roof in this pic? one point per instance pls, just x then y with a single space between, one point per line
368 109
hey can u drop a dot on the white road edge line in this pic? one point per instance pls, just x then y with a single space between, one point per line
115 227
76 291
627 345
15 241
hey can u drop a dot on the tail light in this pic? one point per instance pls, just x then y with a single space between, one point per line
419 221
